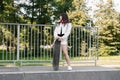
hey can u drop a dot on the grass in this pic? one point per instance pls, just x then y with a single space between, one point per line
109 60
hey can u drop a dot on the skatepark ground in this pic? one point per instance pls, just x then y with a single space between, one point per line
47 73
104 70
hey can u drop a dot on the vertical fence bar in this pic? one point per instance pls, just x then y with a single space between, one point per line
10 42
76 41
18 41
79 42
97 42
31 40
6 45
41 42
23 50
28 50
14 44
3 43
37 41
34 42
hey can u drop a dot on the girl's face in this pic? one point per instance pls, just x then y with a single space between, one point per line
60 17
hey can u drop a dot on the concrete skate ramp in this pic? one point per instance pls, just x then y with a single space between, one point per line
47 73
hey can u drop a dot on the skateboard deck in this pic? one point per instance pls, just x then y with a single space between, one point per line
56 55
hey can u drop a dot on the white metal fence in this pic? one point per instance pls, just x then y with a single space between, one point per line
33 42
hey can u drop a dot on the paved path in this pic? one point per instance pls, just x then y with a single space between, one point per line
47 73
43 69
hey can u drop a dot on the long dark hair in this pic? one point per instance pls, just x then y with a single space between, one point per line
65 18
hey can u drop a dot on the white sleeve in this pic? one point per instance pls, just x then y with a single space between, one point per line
56 32
68 31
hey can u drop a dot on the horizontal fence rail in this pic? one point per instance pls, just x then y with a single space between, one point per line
34 42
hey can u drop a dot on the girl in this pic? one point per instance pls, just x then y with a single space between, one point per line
61 33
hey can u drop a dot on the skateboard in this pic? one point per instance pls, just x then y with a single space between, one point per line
56 55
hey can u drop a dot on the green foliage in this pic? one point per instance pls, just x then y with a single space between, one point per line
9 12
109 27
78 15
107 50
41 12
37 11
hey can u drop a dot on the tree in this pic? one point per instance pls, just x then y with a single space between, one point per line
37 11
9 12
77 13
109 27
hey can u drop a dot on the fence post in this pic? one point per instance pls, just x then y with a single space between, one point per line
18 41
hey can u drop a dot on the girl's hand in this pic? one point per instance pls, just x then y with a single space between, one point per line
60 39
57 38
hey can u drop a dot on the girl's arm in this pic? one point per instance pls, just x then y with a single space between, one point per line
56 32
68 31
